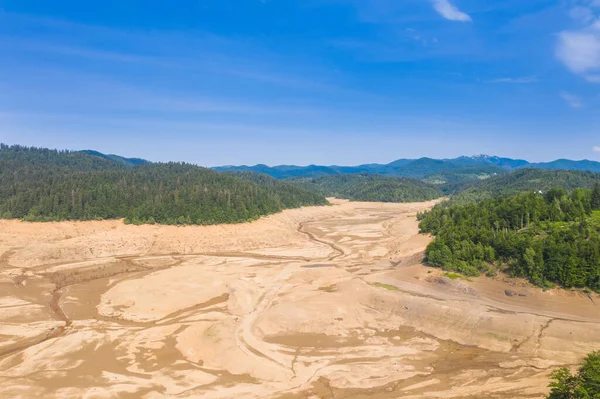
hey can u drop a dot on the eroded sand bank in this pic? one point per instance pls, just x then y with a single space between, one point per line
323 302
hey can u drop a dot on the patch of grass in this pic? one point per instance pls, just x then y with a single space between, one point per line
386 286
456 276
453 276
548 285
500 337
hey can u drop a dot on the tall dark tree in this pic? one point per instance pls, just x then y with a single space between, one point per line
583 385
595 201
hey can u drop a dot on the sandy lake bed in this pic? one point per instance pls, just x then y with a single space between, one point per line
320 302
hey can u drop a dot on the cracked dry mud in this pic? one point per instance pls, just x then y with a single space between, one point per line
323 302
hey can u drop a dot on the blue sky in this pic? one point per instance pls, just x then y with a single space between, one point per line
303 81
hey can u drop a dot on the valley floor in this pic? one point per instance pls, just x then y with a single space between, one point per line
322 302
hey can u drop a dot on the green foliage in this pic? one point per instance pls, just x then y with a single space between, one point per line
524 180
375 188
453 276
545 238
595 202
117 159
386 286
454 180
584 385
451 172
48 185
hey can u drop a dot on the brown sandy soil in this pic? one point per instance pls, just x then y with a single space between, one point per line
323 302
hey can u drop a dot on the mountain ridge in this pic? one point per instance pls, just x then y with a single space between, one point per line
421 168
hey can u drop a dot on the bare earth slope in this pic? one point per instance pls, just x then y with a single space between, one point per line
323 302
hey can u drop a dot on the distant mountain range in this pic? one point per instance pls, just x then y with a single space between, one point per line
437 171
450 175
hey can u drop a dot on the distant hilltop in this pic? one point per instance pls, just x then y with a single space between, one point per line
422 168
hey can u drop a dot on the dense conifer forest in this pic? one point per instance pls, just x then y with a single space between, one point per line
585 384
369 187
523 180
48 185
550 238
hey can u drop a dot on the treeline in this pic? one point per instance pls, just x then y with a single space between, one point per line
372 188
48 185
550 238
585 384
22 159
520 181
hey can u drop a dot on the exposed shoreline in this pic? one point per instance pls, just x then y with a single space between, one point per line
317 301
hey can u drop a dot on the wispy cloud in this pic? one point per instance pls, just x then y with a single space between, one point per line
572 100
519 80
89 53
240 59
593 78
450 11
582 14
579 49
596 148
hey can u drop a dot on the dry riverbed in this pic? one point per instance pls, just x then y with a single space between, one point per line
323 302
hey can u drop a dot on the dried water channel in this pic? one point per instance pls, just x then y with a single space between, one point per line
323 302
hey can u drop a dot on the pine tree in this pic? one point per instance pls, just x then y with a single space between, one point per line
596 197
583 385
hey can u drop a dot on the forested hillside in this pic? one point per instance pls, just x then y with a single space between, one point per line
522 181
288 187
368 187
118 159
456 170
462 169
566 164
44 185
32 160
454 180
549 238
313 171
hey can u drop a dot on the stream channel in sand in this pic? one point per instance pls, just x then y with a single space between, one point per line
322 302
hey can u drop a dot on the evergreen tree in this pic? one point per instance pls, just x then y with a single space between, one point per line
548 238
583 385
595 201
369 187
48 185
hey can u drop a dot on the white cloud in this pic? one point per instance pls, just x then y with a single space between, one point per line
582 14
596 148
579 50
520 80
593 78
572 100
450 11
